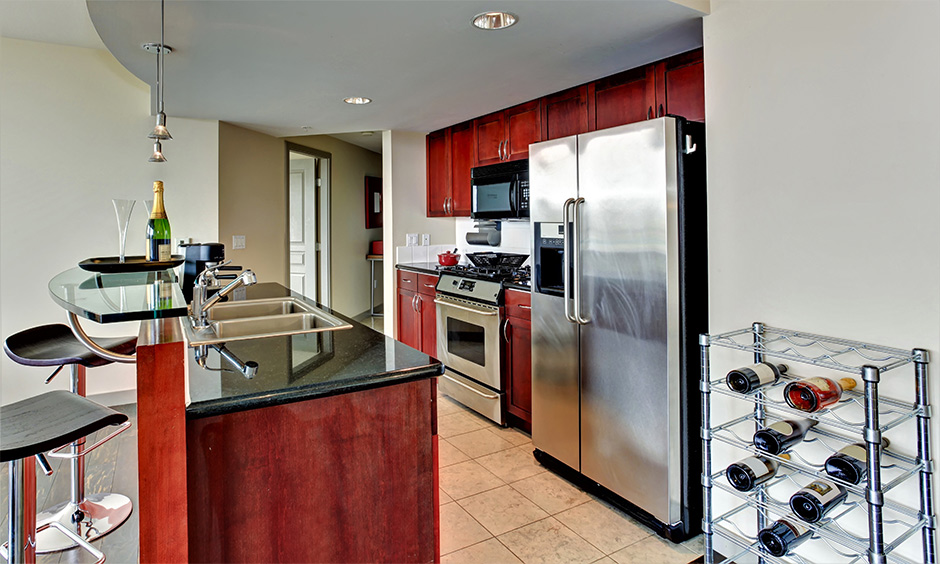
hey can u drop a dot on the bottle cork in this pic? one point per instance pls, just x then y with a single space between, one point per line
847 383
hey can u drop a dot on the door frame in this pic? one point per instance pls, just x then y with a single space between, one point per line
322 206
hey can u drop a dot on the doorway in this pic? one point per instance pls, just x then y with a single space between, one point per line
308 188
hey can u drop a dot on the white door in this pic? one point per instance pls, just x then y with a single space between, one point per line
302 233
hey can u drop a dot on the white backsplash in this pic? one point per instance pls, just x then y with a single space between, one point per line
421 253
516 237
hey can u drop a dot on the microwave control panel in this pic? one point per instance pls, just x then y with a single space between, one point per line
524 203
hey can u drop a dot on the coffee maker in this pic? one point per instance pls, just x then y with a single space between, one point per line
198 257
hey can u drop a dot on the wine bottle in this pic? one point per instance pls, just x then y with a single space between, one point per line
818 498
158 228
749 378
850 464
783 536
814 394
782 435
747 474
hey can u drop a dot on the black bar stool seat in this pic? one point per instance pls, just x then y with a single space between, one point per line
55 345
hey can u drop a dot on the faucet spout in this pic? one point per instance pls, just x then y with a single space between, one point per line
246 278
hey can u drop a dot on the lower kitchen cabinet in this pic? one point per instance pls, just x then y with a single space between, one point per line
517 358
417 314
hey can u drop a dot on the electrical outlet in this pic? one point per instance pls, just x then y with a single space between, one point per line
238 241
425 239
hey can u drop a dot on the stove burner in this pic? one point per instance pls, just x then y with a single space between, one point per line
516 275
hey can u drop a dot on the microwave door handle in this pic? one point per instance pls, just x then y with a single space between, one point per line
512 194
566 260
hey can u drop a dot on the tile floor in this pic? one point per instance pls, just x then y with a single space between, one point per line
498 505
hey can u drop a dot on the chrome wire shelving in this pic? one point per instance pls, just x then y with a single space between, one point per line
860 416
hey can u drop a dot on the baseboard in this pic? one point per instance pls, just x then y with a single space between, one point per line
366 314
120 397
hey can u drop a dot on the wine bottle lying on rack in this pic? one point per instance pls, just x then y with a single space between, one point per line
850 464
816 499
783 536
749 378
745 475
782 435
815 394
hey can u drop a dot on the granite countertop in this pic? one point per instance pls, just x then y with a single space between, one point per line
431 268
302 367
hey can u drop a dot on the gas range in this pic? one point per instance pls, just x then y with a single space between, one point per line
482 284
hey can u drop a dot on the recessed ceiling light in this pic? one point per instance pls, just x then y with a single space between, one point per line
368 133
495 20
357 100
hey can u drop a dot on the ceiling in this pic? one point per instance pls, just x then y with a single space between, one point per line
283 67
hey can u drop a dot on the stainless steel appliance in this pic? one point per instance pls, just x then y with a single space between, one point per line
500 191
469 318
619 297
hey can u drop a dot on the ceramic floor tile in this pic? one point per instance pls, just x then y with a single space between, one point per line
696 544
606 528
654 549
466 479
480 443
512 465
607 560
457 423
447 406
551 493
444 497
515 436
487 552
502 510
459 529
549 542
448 454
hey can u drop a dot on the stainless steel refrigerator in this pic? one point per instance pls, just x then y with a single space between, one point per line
619 297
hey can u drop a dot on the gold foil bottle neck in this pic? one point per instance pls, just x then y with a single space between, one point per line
158 186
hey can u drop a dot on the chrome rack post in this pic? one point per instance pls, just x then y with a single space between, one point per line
706 452
760 418
874 495
923 456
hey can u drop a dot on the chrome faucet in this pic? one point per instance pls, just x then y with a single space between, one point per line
207 280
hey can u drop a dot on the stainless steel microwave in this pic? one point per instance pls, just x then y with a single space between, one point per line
500 191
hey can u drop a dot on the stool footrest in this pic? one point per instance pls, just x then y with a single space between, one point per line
99 556
56 453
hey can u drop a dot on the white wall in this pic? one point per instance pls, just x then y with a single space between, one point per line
73 135
823 177
404 193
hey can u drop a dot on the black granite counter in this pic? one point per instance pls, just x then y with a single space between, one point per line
429 268
302 367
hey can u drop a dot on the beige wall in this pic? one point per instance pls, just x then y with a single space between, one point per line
253 200
823 140
73 135
349 239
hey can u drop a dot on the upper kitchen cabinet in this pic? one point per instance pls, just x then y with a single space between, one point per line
506 135
449 159
626 97
461 161
438 179
680 86
565 113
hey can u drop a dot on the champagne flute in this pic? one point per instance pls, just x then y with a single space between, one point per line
122 210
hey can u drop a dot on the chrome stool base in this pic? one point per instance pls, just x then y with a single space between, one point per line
102 513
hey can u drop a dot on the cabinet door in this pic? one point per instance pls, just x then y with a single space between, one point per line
438 179
519 368
680 86
523 126
427 317
489 132
461 161
627 97
565 113
408 319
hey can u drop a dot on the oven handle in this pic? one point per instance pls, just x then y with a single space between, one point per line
477 392
471 310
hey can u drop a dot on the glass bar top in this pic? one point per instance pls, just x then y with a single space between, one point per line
109 298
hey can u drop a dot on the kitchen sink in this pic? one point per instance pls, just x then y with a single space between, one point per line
257 319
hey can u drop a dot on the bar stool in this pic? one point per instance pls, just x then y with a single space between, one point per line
93 515
27 429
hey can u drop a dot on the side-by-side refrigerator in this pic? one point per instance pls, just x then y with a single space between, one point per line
619 298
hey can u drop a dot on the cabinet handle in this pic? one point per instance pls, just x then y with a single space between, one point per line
649 113
661 113
429 286
406 280
523 306
450 206
505 327
414 303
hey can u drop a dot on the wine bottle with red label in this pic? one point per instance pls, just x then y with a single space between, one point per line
749 378
782 435
818 498
745 475
815 394
783 535
850 464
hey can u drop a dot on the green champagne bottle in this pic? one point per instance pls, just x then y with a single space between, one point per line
158 228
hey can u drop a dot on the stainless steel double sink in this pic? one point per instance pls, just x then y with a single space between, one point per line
257 319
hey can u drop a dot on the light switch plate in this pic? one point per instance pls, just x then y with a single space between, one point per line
238 241
411 239
425 239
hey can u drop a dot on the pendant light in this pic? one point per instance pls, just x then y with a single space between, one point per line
159 132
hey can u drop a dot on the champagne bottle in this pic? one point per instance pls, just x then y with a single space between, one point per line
749 378
814 394
745 475
158 228
782 435
783 536
850 464
818 498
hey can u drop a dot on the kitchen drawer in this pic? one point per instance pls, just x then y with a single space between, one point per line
519 304
427 284
408 280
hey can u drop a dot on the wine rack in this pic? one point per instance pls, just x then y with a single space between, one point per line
860 416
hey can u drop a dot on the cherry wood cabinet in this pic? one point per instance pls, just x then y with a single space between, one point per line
489 132
461 161
438 168
565 113
517 358
449 159
427 314
417 314
506 135
626 97
680 86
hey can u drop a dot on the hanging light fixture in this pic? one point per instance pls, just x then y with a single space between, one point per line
159 132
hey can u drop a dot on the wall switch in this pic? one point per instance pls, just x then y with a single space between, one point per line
238 241
411 239
425 239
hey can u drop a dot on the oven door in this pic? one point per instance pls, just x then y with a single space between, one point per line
468 339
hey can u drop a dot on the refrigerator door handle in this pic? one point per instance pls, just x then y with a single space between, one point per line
576 243
566 254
